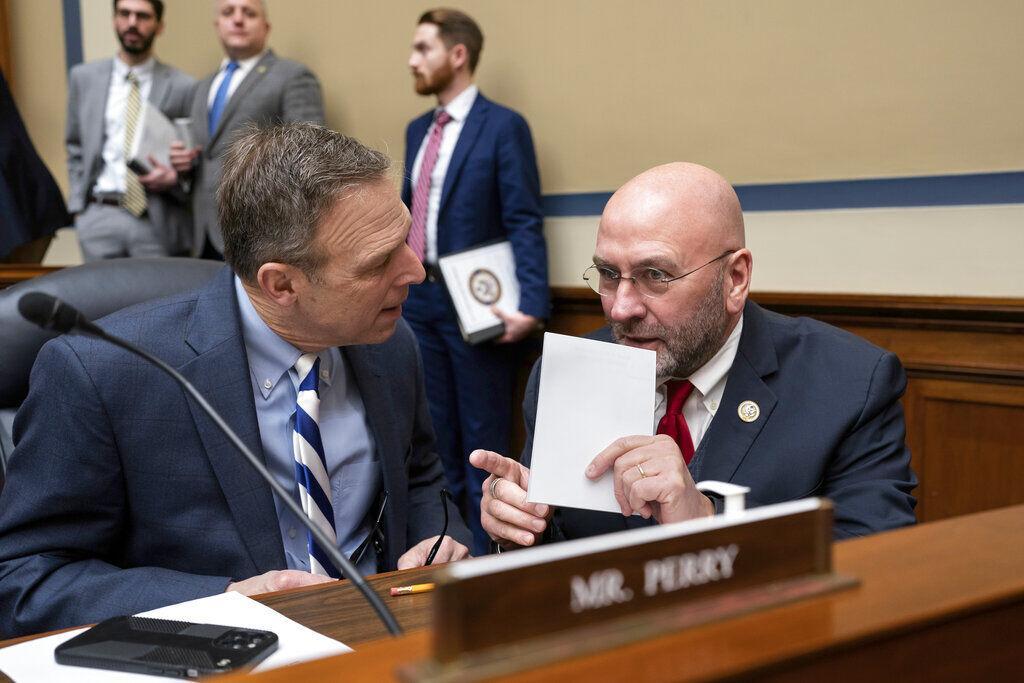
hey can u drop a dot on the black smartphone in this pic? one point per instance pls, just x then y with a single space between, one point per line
166 648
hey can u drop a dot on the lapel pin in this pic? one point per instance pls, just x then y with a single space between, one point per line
261 69
749 411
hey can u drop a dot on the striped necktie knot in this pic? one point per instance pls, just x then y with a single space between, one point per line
308 369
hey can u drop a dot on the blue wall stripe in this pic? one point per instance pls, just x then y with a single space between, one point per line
72 33
943 190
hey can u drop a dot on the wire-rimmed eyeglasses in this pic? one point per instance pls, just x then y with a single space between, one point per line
651 282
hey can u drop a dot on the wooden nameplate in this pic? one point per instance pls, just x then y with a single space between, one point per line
506 613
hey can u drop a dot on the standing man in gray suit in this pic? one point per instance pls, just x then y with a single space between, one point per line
252 86
117 212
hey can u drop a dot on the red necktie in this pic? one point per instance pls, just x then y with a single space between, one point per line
673 422
421 194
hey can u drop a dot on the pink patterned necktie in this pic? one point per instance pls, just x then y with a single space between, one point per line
421 194
674 424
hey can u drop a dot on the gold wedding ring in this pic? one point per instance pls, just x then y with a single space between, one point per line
640 469
494 485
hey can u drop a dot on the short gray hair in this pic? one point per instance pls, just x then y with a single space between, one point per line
279 184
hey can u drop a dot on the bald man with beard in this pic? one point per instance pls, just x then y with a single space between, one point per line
789 407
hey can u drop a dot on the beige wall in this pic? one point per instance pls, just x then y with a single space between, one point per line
767 91
762 90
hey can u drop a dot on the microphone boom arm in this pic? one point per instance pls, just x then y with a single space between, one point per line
340 561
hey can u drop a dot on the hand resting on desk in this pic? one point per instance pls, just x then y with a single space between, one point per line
449 551
277 580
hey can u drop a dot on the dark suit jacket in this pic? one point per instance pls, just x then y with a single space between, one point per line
275 91
30 203
831 425
122 496
88 87
491 191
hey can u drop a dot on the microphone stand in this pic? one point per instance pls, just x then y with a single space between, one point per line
339 560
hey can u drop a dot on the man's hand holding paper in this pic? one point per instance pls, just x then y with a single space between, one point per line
651 479
504 512
592 448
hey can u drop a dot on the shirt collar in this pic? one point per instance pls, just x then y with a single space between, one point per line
143 71
707 377
245 65
459 108
270 356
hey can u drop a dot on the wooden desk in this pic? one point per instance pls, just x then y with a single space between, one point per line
940 601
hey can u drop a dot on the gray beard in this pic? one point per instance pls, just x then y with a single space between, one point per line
693 342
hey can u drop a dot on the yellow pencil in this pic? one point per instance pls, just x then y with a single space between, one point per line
413 589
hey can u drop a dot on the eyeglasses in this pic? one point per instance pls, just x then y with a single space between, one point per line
376 535
651 282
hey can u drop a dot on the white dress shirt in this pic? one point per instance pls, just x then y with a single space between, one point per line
458 109
244 67
111 177
708 386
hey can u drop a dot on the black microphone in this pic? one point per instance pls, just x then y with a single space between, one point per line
51 313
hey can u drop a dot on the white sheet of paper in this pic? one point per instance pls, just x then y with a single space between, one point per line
591 393
33 660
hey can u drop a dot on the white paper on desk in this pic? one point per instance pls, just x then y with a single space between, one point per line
33 660
591 393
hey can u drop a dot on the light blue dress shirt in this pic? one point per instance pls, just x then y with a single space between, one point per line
352 463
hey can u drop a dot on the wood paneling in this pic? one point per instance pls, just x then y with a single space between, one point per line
12 274
966 437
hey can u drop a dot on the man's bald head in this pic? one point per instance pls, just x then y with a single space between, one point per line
689 198
675 234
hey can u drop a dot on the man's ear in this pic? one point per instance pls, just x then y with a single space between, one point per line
738 270
281 283
459 57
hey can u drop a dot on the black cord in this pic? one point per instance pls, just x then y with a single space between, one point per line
445 496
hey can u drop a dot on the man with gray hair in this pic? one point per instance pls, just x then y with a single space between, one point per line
122 490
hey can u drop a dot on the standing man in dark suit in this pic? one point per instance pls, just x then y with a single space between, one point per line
123 496
789 407
119 213
252 86
470 178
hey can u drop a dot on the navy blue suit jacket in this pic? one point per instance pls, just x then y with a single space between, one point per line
122 496
831 425
31 205
491 192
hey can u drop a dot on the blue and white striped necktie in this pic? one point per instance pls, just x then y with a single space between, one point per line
311 464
